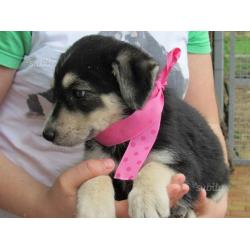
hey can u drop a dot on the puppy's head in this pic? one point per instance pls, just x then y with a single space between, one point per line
97 81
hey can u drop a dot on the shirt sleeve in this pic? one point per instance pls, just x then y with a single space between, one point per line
14 45
198 42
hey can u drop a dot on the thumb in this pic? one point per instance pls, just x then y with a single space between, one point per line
201 202
75 176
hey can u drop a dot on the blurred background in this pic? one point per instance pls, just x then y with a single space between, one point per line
231 60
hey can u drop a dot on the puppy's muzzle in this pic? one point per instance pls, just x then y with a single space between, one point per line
49 134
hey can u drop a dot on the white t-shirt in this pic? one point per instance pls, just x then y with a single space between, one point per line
22 114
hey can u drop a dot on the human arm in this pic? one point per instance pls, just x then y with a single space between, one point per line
6 78
201 95
24 196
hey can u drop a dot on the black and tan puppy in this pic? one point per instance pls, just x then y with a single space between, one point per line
100 80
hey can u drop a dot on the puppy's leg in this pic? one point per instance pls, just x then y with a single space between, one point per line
96 198
148 197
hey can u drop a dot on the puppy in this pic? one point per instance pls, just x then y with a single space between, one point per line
100 80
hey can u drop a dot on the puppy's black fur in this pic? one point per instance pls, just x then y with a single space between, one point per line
112 66
198 152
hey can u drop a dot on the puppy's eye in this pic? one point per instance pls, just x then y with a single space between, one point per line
78 93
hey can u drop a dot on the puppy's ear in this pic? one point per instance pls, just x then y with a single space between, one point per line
136 73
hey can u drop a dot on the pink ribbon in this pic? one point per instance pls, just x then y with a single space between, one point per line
141 128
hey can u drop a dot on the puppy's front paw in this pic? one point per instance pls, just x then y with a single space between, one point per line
151 203
96 198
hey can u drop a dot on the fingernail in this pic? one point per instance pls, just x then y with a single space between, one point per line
182 177
185 187
108 163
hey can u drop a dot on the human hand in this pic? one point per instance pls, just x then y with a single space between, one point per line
60 199
207 208
177 189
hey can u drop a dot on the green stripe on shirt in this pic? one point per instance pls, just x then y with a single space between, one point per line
198 42
14 45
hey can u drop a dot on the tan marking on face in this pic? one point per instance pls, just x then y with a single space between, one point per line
74 127
68 79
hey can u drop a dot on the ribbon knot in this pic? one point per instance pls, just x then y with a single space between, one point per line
141 128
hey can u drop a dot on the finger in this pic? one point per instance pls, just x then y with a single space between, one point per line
202 195
173 193
201 199
176 192
173 189
75 176
185 189
178 179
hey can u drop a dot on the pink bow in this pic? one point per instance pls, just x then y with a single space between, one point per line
140 128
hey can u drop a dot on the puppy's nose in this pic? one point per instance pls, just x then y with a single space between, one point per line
49 134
